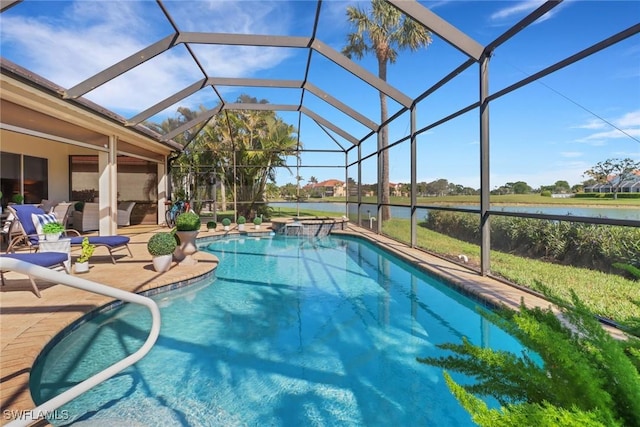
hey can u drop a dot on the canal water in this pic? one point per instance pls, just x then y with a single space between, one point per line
632 213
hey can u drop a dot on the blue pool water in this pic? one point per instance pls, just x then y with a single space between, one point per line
291 332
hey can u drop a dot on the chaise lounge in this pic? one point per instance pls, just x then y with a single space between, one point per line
43 259
30 215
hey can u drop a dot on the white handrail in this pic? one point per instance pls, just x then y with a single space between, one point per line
27 417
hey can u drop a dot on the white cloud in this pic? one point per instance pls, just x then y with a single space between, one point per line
627 126
592 124
519 9
631 119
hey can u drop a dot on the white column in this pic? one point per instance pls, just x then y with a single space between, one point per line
162 191
108 187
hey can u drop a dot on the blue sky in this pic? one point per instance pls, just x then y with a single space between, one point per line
553 129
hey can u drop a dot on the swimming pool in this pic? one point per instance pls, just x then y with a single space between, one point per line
290 332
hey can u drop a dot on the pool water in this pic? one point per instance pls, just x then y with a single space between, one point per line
291 332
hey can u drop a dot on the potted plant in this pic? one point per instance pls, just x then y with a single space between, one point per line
211 225
17 199
52 230
161 247
82 263
226 223
257 221
187 228
241 221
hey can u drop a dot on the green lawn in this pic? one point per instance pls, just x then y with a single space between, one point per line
608 295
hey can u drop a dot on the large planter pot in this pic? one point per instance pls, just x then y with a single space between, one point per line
186 248
162 263
240 227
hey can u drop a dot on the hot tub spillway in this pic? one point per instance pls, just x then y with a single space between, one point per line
308 226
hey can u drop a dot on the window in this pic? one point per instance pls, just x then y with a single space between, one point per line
24 175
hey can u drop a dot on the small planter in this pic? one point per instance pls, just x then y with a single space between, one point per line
162 263
226 223
52 237
82 267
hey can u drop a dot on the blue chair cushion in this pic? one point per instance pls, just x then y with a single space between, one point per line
43 259
111 241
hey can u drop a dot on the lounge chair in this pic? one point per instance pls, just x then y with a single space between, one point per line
43 259
31 236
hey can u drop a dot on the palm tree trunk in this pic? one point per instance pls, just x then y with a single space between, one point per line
384 142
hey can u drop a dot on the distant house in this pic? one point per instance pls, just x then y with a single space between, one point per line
631 185
328 188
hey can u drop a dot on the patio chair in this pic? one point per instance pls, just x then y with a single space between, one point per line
63 210
31 234
53 260
124 213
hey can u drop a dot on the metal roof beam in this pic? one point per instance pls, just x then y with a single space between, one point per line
360 72
340 106
260 107
230 81
191 123
439 26
167 102
121 67
6 4
320 120
243 39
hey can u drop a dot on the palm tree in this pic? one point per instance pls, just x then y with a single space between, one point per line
383 31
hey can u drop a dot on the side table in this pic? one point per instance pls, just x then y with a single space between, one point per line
60 245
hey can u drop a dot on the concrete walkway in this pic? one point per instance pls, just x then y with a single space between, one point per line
27 323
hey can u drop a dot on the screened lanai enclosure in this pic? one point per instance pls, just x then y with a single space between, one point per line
411 118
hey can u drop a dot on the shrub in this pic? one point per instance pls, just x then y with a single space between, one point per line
545 193
188 221
211 225
162 243
226 222
585 373
241 220
17 199
87 250
79 206
257 220
52 228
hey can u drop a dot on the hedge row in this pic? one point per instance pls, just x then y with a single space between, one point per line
606 195
571 243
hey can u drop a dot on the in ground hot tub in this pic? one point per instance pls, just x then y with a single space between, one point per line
316 226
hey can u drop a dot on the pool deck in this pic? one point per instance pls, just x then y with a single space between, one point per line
27 323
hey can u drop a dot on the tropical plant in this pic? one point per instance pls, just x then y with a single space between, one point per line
241 220
86 250
163 243
585 376
383 31
17 199
188 221
52 228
